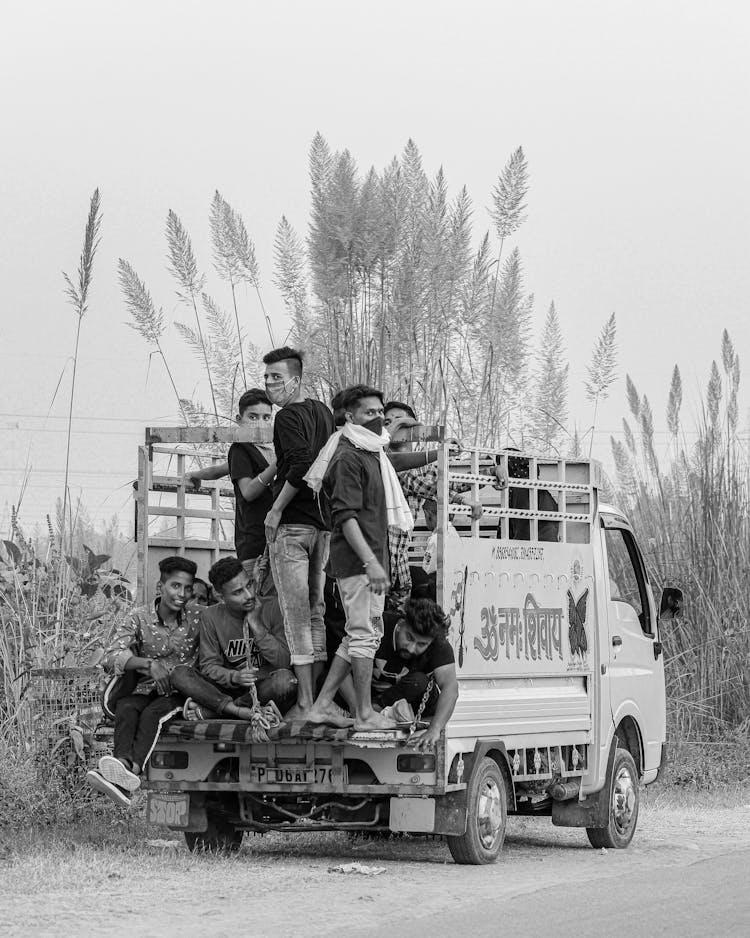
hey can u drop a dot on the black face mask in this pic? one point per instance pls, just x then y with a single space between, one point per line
374 426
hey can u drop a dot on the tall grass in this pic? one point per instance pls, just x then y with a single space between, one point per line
694 517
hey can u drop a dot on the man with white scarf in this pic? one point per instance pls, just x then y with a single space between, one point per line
363 497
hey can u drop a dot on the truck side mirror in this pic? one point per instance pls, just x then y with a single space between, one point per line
670 606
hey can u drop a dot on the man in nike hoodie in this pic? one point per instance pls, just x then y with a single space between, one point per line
223 655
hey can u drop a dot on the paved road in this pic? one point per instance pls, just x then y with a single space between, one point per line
710 897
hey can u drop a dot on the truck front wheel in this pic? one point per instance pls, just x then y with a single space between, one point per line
219 837
486 816
624 799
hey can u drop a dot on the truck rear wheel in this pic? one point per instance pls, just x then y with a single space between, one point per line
219 837
486 816
624 800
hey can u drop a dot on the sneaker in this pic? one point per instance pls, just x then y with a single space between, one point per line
99 783
116 773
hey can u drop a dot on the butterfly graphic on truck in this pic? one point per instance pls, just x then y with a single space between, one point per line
577 625
534 632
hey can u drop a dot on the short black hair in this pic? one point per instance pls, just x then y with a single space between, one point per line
250 398
392 405
176 565
285 354
337 407
351 396
426 618
223 571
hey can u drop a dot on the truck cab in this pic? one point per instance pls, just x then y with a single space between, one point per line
555 631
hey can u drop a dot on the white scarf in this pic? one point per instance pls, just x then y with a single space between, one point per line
397 508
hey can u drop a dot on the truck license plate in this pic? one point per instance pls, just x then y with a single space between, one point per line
169 810
291 775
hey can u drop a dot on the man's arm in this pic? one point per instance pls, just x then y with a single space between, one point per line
208 474
447 682
253 487
271 643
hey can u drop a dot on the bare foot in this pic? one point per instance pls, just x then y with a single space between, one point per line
332 716
374 722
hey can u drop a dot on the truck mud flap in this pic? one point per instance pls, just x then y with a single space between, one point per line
450 813
594 811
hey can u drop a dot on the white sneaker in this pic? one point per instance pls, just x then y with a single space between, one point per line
116 773
112 791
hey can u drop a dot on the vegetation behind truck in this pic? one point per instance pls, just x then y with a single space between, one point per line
561 709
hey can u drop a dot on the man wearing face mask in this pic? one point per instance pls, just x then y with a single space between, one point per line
362 497
297 536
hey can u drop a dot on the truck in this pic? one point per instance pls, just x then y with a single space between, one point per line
557 639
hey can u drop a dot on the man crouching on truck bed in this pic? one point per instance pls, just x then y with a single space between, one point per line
362 496
223 653
415 659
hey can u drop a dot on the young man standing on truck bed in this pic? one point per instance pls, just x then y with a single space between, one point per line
415 651
363 496
297 537
251 467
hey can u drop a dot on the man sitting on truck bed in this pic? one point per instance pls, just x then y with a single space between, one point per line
224 657
414 659
147 646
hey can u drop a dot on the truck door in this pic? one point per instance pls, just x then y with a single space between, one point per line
636 668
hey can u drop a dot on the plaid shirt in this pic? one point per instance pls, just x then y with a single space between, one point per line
144 635
418 484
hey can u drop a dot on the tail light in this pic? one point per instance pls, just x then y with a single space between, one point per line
415 762
169 759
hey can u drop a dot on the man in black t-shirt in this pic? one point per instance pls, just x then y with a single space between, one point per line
252 467
413 650
298 539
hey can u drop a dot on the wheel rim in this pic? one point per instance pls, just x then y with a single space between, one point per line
623 800
489 814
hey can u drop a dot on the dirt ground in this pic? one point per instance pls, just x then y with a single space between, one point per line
284 884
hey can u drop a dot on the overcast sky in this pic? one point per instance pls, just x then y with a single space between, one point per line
633 118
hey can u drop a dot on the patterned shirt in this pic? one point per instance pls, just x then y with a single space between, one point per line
418 484
143 634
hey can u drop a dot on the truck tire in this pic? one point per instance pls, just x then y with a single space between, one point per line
486 816
624 800
219 837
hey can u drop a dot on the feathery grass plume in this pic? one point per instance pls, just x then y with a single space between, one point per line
575 450
551 384
182 263
626 476
647 435
634 400
148 322
601 372
674 403
78 297
508 206
290 279
727 353
508 196
628 433
713 397
226 261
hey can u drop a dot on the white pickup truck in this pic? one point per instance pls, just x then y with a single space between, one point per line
561 709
